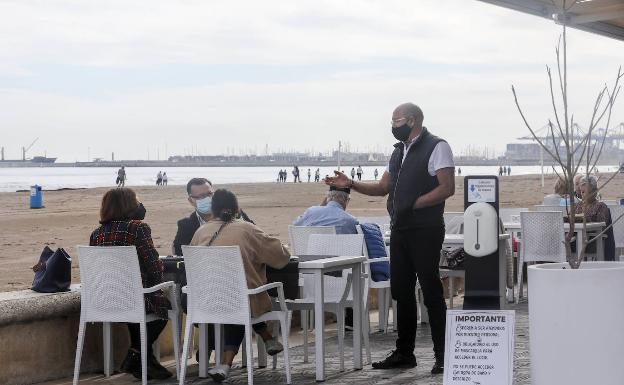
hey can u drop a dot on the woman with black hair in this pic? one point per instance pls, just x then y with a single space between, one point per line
258 250
121 224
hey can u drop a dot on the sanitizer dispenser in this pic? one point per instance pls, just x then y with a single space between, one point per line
480 230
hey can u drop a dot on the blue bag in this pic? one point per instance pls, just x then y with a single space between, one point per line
52 272
376 246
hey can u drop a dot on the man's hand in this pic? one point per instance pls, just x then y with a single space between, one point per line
340 180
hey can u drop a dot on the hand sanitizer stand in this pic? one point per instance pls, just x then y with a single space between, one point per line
485 272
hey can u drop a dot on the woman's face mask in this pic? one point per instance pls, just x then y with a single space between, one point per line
204 205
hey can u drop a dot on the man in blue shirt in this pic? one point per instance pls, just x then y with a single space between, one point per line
331 213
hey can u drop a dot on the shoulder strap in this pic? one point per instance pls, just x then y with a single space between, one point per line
216 234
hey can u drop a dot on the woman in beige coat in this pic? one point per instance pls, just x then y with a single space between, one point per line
258 250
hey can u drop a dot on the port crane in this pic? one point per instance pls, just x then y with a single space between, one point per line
26 149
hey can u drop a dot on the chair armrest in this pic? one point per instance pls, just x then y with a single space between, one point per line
375 260
185 289
158 287
268 286
280 292
345 294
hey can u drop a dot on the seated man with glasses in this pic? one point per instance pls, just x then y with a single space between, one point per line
199 192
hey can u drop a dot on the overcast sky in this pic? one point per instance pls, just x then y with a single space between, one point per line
93 77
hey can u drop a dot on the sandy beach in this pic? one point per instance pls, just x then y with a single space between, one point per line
69 216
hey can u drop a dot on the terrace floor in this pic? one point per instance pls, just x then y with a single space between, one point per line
381 345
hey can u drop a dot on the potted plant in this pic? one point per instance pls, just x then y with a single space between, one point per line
576 309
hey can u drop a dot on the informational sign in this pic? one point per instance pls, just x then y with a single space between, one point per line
481 190
479 347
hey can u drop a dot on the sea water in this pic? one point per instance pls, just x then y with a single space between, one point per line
54 178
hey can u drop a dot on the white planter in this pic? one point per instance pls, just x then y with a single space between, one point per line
576 323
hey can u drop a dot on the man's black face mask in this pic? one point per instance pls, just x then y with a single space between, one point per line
402 132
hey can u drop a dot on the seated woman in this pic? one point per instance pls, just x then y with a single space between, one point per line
121 219
595 211
560 195
258 250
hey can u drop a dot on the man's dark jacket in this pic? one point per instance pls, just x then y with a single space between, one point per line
186 229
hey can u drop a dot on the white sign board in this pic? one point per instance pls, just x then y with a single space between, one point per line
479 347
481 190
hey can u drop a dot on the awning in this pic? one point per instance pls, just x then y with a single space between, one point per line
604 17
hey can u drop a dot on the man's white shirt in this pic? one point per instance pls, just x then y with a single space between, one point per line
441 157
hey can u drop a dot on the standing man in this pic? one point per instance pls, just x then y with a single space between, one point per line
309 175
376 173
317 175
359 172
418 180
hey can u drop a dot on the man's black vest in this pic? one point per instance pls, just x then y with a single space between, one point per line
410 180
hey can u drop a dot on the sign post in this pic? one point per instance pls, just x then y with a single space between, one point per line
479 347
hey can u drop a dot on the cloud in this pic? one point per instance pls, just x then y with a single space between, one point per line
127 76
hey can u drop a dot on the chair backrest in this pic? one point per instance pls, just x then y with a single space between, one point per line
336 244
610 202
542 236
454 222
618 227
216 283
383 222
299 235
333 244
561 209
505 213
111 287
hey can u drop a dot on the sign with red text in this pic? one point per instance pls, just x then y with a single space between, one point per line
479 347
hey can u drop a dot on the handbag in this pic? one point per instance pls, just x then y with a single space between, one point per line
454 258
288 276
52 272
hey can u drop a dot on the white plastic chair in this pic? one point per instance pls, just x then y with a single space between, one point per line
112 291
218 294
384 297
542 240
561 209
618 227
298 236
505 214
383 222
337 291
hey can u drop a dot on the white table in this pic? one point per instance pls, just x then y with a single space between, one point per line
318 268
592 227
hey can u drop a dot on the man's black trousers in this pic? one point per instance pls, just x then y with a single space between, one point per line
416 253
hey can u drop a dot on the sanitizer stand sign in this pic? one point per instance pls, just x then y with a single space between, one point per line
479 347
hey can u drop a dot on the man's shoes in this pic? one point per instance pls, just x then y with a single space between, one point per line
438 367
219 373
273 346
396 360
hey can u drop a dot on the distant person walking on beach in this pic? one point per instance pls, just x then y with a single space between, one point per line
501 170
360 172
159 178
317 175
508 170
376 173
296 174
459 171
352 173
309 175
121 177
284 176
165 179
